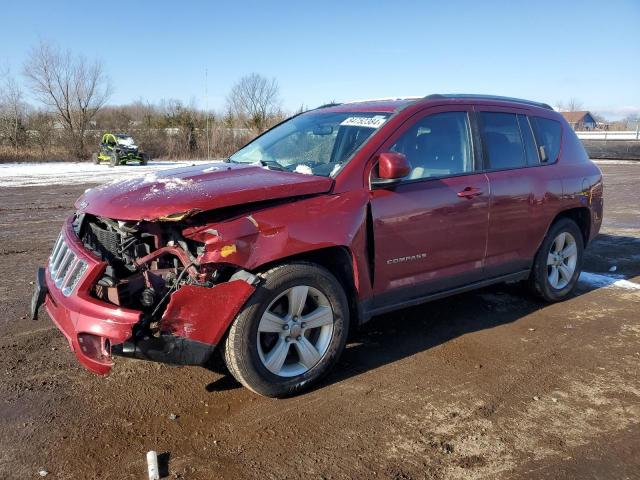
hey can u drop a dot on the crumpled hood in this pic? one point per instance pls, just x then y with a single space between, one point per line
193 189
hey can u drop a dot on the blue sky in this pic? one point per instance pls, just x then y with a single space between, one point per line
343 50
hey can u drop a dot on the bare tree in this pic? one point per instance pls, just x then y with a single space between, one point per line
574 105
42 132
12 111
571 105
254 99
71 86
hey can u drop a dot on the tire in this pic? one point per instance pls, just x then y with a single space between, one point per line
541 281
114 160
95 159
247 349
144 159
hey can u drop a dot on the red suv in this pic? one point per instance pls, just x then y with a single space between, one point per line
331 217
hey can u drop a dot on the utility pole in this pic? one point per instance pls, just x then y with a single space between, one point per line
206 101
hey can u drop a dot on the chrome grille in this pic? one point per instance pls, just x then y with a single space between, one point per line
65 268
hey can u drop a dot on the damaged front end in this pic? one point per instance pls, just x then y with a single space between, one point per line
141 292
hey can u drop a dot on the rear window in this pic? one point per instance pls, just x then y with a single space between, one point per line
502 140
548 135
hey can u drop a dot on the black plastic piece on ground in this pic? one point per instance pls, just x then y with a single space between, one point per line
39 293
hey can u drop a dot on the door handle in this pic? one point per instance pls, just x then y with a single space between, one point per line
470 192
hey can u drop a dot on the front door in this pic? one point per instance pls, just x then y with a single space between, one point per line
430 230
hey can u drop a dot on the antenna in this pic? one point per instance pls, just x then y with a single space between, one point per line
206 107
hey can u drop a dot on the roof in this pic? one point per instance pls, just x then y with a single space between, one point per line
382 105
394 104
491 98
576 117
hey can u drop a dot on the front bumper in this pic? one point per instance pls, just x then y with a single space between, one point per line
95 329
89 325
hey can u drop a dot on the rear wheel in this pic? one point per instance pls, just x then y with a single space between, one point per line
144 159
95 159
558 262
290 333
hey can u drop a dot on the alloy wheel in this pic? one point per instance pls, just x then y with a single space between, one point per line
561 260
295 331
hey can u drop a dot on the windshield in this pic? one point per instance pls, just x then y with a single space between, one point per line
315 143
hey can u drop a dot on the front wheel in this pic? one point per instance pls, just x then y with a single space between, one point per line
290 333
558 262
113 159
95 159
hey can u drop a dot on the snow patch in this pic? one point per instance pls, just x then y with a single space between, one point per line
213 168
599 280
616 162
304 169
149 178
70 173
172 183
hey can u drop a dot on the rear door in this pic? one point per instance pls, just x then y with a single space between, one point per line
518 192
430 230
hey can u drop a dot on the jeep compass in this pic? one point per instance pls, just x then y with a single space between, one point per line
331 217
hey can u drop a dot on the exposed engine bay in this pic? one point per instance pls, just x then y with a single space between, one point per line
147 262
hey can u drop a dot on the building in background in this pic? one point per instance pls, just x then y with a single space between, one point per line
580 120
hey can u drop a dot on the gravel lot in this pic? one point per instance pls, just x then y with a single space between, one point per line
491 384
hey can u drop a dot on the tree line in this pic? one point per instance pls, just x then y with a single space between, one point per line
72 113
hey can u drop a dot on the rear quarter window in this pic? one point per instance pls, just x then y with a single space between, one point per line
548 136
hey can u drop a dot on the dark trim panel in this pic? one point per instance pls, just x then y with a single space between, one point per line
166 349
369 310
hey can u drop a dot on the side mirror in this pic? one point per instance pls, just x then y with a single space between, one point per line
392 167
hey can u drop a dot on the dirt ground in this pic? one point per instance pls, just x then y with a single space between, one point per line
491 384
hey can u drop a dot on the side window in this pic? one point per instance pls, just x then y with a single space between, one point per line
438 145
529 142
548 135
502 140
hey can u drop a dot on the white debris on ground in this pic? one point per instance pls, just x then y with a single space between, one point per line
152 465
599 280
69 173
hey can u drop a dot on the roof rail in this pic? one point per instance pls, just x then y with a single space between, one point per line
487 97
327 105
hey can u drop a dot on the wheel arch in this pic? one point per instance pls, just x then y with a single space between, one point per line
581 216
340 262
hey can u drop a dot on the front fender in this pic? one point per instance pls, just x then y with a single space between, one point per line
275 233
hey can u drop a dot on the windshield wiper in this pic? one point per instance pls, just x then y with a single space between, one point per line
273 165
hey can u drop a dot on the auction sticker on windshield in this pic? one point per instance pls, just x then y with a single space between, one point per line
369 122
